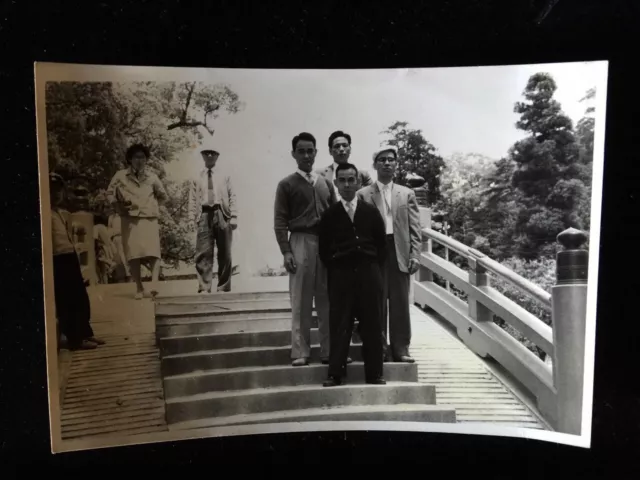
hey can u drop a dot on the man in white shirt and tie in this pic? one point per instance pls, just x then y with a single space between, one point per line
399 208
212 207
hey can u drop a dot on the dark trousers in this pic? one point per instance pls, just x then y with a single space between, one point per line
72 301
213 230
396 313
353 293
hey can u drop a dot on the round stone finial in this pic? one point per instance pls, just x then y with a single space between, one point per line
572 238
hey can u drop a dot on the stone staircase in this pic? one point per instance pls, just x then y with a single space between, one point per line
226 361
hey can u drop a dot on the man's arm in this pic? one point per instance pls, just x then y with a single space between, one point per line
415 228
281 217
379 235
232 202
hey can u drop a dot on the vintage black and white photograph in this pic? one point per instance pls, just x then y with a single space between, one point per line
236 251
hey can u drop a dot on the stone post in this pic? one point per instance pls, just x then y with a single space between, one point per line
569 310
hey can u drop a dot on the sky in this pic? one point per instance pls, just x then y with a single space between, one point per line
466 110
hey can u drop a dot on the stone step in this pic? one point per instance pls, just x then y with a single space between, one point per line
225 341
201 326
222 297
163 310
246 402
363 413
238 357
274 376
223 325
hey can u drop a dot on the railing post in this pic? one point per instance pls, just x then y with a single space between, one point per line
569 309
478 277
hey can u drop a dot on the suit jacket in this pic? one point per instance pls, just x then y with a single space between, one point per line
343 243
327 172
407 230
224 192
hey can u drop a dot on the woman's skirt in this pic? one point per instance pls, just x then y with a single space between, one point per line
140 237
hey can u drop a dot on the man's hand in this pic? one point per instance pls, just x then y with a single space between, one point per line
290 262
233 223
414 265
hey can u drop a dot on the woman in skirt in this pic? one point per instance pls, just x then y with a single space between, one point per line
136 193
72 302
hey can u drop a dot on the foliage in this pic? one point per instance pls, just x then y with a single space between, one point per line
549 174
416 155
91 124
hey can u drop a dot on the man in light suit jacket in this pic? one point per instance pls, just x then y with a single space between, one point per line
399 208
340 150
212 208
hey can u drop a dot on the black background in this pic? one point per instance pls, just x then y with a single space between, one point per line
323 34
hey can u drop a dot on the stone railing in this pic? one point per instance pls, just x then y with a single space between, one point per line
558 388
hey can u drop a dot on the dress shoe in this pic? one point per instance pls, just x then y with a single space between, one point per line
377 381
406 359
97 341
332 382
300 362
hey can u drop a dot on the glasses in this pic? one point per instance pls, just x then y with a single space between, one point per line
308 151
386 160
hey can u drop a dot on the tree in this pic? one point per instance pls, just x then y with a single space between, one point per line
548 173
91 124
416 155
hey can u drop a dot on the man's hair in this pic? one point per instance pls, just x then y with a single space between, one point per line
336 134
346 166
303 136
135 148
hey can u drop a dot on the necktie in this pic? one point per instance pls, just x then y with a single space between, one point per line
350 210
211 194
309 178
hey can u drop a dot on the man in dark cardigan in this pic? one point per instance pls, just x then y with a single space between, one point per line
352 245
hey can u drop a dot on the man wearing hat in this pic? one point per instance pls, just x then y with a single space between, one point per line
340 150
213 210
399 209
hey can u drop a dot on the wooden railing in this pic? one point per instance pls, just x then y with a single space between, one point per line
556 387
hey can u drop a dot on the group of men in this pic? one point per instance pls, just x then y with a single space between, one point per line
351 252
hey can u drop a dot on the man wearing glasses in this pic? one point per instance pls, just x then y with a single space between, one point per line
301 199
340 150
399 209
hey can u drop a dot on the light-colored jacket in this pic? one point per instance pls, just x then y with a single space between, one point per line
145 192
407 230
225 194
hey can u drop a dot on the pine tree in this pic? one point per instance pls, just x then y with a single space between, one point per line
548 175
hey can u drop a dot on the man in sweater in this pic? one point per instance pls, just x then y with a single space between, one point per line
340 150
301 199
353 248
